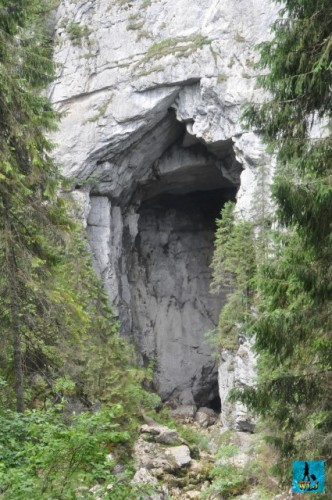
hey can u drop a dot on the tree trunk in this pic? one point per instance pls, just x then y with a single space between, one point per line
14 316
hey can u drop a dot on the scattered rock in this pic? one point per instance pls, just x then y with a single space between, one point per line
160 494
144 476
163 463
180 455
206 417
284 496
199 471
157 459
96 491
81 492
191 495
185 413
161 433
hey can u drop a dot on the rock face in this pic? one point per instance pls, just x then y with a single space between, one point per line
151 93
236 370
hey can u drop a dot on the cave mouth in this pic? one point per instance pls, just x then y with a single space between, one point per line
215 404
151 227
205 206
169 276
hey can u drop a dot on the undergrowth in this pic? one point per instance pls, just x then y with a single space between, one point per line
42 456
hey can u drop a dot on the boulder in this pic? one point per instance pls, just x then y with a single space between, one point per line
184 413
192 495
179 455
144 476
157 459
161 433
206 417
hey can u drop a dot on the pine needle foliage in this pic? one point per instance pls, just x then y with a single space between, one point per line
59 337
294 325
233 266
58 332
32 218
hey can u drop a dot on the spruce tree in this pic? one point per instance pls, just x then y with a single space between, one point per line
29 209
233 266
55 319
294 326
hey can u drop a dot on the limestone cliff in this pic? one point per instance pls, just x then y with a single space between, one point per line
151 93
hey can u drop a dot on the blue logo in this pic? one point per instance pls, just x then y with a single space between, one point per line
308 477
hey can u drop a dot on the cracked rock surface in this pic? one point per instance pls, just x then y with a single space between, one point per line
151 93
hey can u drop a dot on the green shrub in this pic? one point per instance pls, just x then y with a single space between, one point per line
227 480
42 457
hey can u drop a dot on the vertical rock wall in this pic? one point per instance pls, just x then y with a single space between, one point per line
151 92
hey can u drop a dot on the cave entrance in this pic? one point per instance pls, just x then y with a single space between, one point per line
215 404
169 274
151 227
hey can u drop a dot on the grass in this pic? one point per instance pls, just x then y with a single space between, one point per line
146 72
226 478
135 25
134 17
123 2
143 34
179 47
77 32
222 77
231 62
258 473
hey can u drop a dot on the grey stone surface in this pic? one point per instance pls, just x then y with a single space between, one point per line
179 455
206 417
144 476
161 433
151 99
184 412
237 370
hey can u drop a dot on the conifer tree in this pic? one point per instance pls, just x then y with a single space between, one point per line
55 320
233 267
294 327
29 209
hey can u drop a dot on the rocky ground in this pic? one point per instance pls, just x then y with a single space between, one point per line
186 454
209 462
178 466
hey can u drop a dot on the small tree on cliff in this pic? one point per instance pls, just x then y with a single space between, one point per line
233 266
